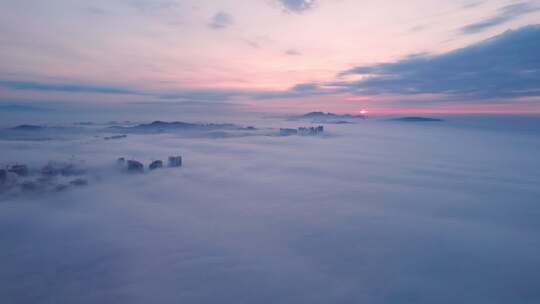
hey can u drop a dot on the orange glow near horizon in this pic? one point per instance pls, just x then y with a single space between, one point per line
388 105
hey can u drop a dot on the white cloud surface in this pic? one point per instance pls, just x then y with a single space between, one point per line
377 212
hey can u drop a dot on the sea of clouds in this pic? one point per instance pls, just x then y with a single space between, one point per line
372 212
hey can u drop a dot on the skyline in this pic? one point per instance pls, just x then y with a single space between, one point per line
276 55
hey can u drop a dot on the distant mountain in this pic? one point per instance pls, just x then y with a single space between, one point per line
166 125
330 115
327 117
163 126
39 133
417 119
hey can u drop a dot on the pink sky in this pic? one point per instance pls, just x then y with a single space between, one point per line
165 46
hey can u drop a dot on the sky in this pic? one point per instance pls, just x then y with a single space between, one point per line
275 55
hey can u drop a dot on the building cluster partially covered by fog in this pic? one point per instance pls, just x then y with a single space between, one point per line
54 176
134 166
19 178
302 131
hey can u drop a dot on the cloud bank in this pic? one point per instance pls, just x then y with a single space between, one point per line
66 87
382 212
504 66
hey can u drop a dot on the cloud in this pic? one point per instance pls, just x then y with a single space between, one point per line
292 52
504 14
296 91
297 6
22 108
213 95
472 4
94 10
66 87
506 65
252 43
418 28
258 42
303 87
221 20
202 95
153 5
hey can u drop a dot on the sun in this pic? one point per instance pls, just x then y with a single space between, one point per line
363 112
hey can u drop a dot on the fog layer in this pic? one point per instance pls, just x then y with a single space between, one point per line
373 212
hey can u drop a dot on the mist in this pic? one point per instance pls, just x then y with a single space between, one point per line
375 211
